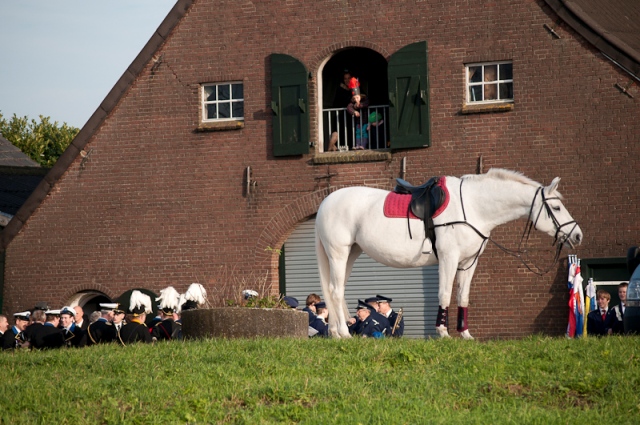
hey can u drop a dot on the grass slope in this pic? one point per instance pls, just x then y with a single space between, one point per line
537 380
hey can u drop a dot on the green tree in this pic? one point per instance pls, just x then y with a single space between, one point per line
42 141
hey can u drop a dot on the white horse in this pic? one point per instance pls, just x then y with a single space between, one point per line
351 220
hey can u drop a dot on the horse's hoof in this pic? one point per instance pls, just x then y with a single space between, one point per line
442 332
466 335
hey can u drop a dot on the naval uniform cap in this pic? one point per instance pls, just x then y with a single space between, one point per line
42 305
291 302
52 312
363 304
24 315
371 300
68 310
321 304
118 310
383 299
249 293
108 306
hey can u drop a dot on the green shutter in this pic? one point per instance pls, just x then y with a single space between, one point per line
409 97
290 106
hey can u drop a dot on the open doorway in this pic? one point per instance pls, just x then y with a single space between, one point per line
370 68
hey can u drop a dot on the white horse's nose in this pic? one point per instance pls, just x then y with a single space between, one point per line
576 236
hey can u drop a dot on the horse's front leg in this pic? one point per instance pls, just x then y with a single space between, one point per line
446 274
464 285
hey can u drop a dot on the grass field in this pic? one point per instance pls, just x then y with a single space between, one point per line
537 380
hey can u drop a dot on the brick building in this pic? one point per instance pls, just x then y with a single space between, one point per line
211 150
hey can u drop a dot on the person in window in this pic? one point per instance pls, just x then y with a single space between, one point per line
600 320
357 108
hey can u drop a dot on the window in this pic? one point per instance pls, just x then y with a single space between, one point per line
222 102
490 83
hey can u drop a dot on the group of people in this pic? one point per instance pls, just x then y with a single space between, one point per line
367 125
604 320
374 317
45 328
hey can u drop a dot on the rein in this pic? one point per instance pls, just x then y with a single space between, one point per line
525 235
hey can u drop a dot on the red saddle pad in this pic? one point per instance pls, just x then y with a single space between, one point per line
396 205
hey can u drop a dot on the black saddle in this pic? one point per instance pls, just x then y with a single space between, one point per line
425 201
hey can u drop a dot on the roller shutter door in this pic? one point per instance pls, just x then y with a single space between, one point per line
415 290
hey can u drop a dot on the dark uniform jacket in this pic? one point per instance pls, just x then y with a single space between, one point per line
598 326
46 336
393 317
617 319
74 337
371 327
135 332
321 326
168 329
100 331
312 315
9 340
385 326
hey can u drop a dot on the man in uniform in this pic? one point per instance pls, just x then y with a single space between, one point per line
14 337
79 319
167 329
118 323
384 307
369 327
4 324
375 313
72 334
48 335
136 330
101 330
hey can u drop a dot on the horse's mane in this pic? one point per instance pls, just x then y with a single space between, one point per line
502 174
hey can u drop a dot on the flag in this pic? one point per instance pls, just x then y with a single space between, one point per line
575 328
590 301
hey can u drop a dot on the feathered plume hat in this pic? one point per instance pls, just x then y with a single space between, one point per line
169 300
196 295
139 303
354 85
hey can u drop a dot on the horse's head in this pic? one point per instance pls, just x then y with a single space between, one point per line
549 215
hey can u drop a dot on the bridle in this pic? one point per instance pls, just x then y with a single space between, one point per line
520 253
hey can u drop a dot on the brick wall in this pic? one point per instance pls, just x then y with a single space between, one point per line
158 203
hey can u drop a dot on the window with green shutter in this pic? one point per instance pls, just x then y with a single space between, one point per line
290 105
409 97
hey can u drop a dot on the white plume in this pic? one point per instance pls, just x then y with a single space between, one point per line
169 298
197 293
138 299
181 302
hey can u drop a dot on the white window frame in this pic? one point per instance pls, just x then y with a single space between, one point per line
205 103
483 83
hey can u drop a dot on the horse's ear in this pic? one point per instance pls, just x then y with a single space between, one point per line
553 186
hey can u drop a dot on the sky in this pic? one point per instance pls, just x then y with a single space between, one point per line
60 58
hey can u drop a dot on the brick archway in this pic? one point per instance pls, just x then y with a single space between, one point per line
93 289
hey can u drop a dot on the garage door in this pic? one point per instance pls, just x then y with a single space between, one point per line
414 290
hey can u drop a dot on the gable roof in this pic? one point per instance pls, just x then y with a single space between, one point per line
11 156
610 25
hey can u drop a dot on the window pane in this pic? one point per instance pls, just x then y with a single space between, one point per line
475 93
224 110
490 92
506 91
238 109
210 93
212 111
491 72
475 74
223 92
237 91
506 71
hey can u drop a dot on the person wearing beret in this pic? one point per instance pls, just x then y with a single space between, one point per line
101 330
291 301
14 336
384 307
320 322
72 334
136 330
369 326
